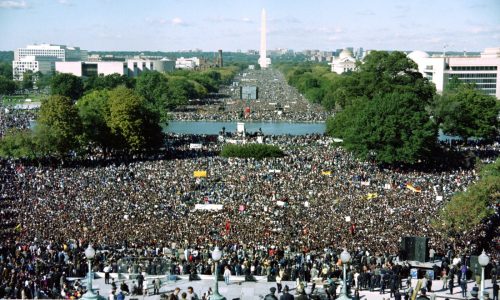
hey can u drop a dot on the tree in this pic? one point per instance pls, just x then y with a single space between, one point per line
67 85
386 119
6 69
466 210
93 109
107 82
390 128
7 86
17 143
467 112
133 120
153 87
27 82
58 120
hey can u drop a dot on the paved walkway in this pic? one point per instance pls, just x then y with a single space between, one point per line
257 290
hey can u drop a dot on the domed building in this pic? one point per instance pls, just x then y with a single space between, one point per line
344 62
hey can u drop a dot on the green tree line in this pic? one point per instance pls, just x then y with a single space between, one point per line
109 112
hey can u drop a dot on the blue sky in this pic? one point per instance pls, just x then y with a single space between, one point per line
169 25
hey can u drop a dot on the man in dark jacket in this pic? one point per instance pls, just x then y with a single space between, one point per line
271 295
286 295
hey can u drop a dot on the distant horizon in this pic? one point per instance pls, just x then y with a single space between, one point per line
174 25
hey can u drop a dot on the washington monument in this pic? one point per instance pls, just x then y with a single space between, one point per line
264 62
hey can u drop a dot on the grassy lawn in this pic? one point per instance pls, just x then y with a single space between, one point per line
20 99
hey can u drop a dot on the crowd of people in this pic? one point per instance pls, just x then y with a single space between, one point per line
282 216
285 217
14 118
276 101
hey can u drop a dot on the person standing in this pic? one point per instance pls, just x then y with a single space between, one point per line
286 295
278 283
271 295
444 277
227 274
495 291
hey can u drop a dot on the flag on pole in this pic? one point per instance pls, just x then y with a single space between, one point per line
416 189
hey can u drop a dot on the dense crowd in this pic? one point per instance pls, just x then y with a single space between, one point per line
286 216
14 118
277 101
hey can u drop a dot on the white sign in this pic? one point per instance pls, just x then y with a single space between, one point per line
195 146
240 127
208 207
439 198
280 203
348 219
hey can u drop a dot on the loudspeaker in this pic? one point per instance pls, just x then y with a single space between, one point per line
415 248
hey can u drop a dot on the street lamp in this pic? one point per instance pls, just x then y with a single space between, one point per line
89 295
484 260
216 256
345 257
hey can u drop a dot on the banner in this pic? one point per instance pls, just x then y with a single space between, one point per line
326 173
208 206
370 196
365 183
195 146
413 188
198 174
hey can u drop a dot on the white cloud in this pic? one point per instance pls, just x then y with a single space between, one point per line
63 2
178 22
14 4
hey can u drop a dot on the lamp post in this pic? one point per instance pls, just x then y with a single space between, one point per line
216 256
345 257
484 260
89 295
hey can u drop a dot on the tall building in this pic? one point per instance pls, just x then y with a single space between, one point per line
264 61
42 58
482 70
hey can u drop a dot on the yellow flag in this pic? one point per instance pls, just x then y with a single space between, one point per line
326 172
370 196
200 173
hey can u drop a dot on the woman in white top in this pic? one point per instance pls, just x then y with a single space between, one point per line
227 273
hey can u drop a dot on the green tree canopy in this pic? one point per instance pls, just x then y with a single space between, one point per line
28 78
468 209
385 117
107 82
133 120
391 128
59 120
257 151
7 86
67 85
467 112
93 109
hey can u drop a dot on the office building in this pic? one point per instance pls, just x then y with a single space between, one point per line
42 58
481 70
131 67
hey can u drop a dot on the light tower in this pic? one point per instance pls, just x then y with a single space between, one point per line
264 62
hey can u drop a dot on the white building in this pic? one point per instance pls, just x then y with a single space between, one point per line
35 64
187 63
42 58
482 70
132 67
344 62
